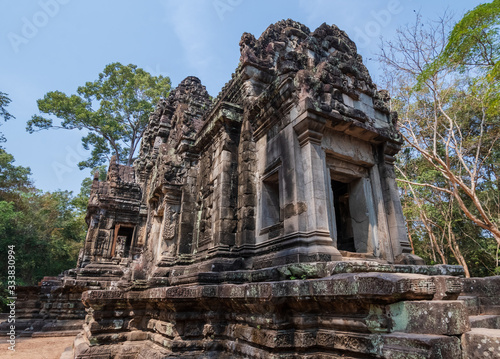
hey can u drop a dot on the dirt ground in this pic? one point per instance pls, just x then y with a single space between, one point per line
36 348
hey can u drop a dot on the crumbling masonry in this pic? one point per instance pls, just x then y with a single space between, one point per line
266 223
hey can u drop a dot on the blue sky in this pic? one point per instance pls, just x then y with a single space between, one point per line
50 45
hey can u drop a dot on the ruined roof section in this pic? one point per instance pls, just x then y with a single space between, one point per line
321 67
175 121
290 46
119 173
189 102
119 192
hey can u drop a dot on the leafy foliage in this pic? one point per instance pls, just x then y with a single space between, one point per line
13 179
474 41
473 45
43 228
47 229
114 110
4 101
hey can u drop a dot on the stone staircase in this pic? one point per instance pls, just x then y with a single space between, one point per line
482 300
485 321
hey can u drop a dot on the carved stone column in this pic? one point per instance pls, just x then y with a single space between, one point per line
399 239
309 129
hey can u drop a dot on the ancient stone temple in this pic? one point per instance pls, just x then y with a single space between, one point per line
266 223
291 163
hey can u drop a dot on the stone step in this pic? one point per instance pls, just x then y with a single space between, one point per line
63 325
481 343
66 333
471 304
485 321
26 325
490 309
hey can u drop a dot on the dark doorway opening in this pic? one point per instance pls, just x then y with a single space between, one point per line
345 236
123 241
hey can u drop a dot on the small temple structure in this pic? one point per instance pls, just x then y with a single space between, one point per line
291 163
266 223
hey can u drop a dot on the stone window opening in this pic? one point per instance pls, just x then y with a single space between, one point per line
122 241
271 213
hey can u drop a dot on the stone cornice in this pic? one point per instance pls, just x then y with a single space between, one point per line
225 112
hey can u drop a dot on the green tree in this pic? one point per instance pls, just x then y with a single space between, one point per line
449 170
114 110
47 229
4 101
46 233
473 43
13 179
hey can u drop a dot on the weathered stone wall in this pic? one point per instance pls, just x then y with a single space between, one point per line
346 314
54 307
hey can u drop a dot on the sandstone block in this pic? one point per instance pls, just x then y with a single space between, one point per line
420 346
481 343
429 317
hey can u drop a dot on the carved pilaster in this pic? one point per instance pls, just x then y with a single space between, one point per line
309 129
399 238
